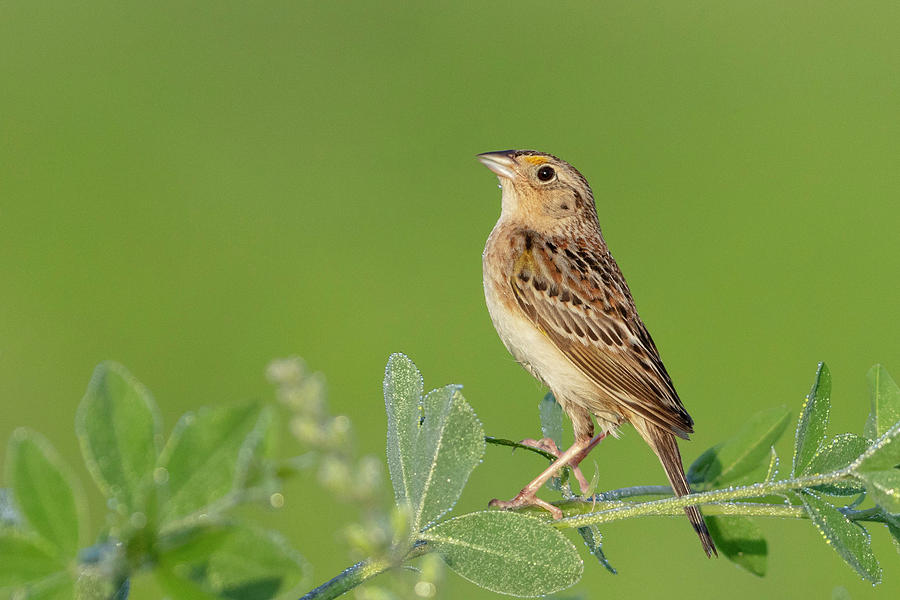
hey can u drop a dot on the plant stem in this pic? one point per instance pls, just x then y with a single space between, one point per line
612 507
353 576
347 580
616 510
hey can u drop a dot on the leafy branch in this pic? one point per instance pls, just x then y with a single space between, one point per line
435 440
169 503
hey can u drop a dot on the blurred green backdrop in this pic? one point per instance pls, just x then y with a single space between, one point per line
195 188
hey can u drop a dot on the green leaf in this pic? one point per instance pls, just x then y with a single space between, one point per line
206 457
892 522
593 540
450 443
118 426
507 552
840 452
43 489
403 389
58 586
884 488
96 582
734 458
885 399
27 560
883 454
551 419
741 541
848 539
813 420
234 562
433 443
552 427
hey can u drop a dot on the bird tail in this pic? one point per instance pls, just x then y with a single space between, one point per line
666 448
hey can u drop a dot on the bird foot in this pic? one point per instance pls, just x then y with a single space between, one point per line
548 445
526 498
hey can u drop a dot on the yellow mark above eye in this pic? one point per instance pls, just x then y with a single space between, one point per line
536 160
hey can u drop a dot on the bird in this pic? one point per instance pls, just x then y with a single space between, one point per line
563 309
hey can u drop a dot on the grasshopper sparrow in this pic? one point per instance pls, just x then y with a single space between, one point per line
562 308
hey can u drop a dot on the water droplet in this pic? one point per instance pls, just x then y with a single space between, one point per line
138 520
160 475
425 589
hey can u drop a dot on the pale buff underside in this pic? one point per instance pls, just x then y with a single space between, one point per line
534 351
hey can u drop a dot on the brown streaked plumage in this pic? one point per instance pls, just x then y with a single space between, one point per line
562 307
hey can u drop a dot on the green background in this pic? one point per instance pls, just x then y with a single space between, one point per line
193 189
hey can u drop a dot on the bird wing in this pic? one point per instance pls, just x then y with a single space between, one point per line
576 295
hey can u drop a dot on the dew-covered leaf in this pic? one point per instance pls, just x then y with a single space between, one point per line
741 541
840 452
206 456
450 443
229 562
95 583
848 539
507 552
738 456
892 522
58 586
885 400
403 389
884 488
26 559
433 443
118 426
593 540
883 454
44 492
551 419
551 414
813 420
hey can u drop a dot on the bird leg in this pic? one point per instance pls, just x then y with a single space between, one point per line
548 445
527 496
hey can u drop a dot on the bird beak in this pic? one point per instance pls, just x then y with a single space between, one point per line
500 163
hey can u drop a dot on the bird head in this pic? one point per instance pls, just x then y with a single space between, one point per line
539 188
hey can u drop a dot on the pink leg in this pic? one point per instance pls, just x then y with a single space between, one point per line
527 496
548 445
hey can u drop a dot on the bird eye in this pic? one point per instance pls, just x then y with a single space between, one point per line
546 173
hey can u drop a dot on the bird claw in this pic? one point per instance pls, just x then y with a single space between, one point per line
526 498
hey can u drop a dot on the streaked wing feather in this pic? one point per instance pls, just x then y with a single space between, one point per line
590 317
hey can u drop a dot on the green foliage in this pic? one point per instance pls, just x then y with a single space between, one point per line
45 492
169 501
526 556
230 562
849 539
507 552
741 540
153 497
434 441
207 457
729 461
551 419
813 421
120 431
885 399
593 540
